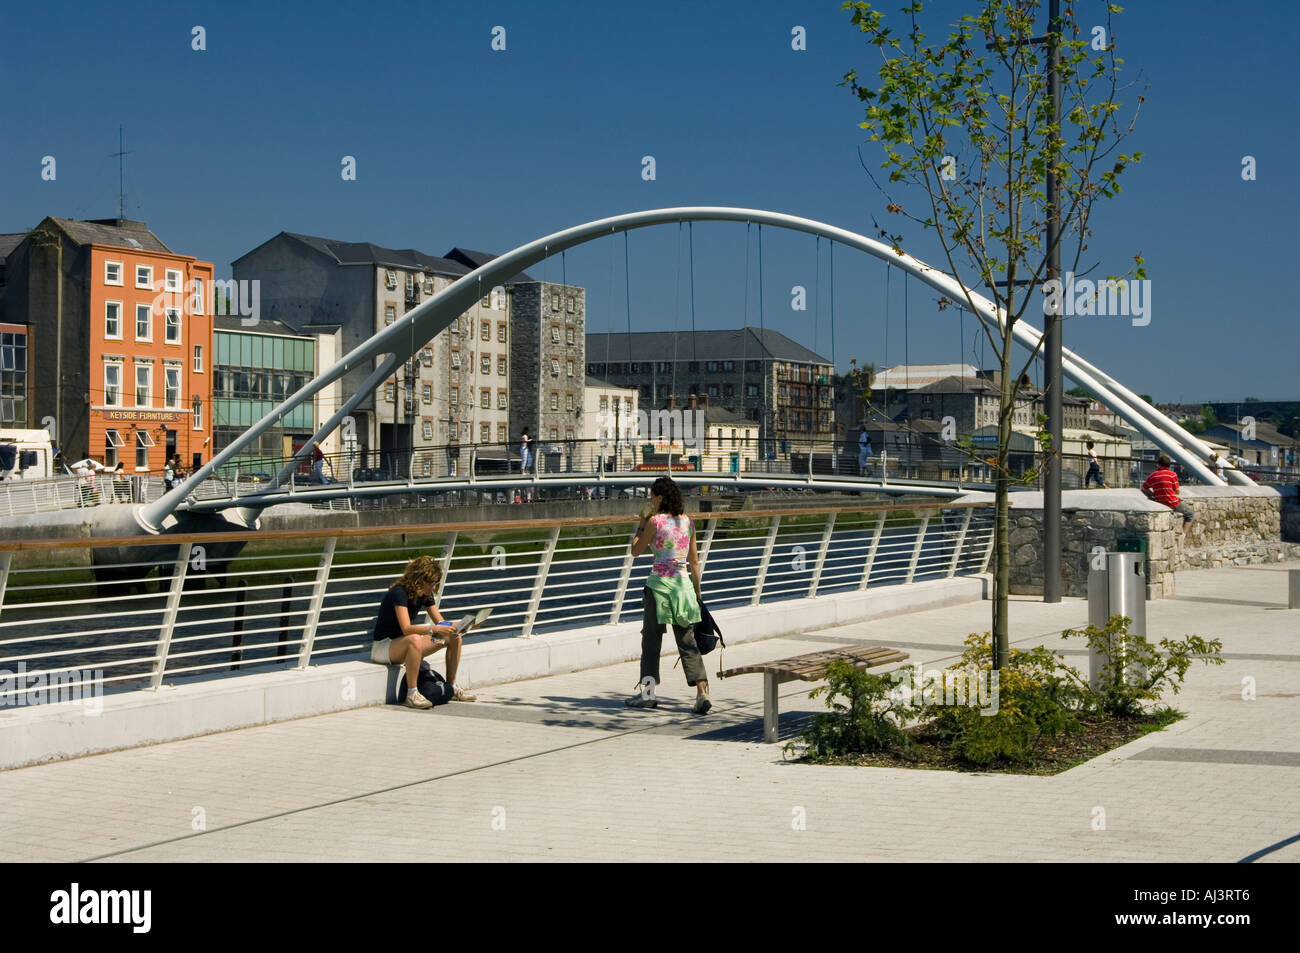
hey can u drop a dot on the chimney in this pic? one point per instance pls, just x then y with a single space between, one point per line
672 401
704 399
693 401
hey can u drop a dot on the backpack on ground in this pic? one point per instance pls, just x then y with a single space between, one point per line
431 685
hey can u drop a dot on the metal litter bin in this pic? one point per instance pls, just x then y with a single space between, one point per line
1117 589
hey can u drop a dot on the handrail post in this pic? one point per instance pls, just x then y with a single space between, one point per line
6 559
767 559
821 554
916 549
542 569
871 553
988 550
702 547
317 599
450 547
169 615
620 593
961 542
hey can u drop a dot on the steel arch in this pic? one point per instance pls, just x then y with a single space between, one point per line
399 341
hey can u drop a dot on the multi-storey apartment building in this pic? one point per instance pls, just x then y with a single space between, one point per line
120 339
455 390
782 386
549 357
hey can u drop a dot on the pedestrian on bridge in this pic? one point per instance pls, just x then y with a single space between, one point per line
865 450
525 451
397 639
670 597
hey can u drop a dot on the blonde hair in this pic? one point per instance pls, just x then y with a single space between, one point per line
421 576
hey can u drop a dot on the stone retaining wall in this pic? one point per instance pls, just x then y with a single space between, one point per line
1234 526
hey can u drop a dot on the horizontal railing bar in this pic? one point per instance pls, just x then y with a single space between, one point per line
346 532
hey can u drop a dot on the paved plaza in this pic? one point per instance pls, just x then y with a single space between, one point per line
557 768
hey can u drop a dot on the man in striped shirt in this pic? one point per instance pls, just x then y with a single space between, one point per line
1162 486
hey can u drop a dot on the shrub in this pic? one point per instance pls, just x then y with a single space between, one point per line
864 715
1035 697
1136 672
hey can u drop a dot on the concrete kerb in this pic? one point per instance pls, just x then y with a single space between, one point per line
53 732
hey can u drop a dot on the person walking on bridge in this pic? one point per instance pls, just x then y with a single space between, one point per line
670 597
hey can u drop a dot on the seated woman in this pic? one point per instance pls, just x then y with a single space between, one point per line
397 639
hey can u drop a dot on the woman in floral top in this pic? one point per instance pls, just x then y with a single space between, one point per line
671 595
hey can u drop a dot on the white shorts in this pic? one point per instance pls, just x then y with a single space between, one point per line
379 651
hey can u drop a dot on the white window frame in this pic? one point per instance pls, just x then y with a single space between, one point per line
502 403
501 332
485 398
198 359
180 383
148 309
196 295
455 359
107 306
196 413
426 394
501 433
485 364
135 393
555 367
485 331
454 397
568 402
568 335
117 402
427 430
121 272
568 366
172 279
485 433
167 326
390 392
148 282
393 309
555 334
143 441
569 304
555 301
501 365
390 279
555 400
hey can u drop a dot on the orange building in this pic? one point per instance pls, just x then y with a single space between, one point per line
122 345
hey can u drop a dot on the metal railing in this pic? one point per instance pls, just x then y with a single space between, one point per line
207 605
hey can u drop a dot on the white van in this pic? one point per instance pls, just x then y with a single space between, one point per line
26 455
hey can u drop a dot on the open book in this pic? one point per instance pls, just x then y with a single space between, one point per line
473 620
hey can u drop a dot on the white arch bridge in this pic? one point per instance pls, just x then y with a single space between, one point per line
397 343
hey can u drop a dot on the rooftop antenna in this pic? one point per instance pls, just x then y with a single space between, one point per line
121 175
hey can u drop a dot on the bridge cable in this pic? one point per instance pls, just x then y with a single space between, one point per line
744 327
762 339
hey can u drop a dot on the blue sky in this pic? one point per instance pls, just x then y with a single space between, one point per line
459 145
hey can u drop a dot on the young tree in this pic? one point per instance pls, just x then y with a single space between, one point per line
967 129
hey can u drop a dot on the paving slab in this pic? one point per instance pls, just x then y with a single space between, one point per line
556 768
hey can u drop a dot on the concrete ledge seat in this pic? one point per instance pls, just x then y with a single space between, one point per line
187 708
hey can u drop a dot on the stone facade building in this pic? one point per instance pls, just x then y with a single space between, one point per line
548 353
786 389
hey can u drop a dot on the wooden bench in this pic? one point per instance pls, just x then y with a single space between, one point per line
809 668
